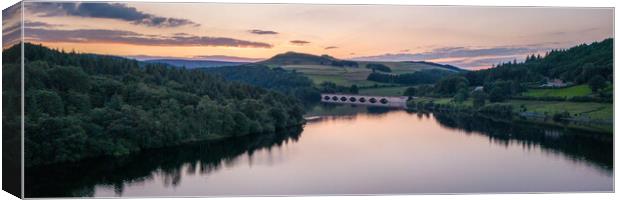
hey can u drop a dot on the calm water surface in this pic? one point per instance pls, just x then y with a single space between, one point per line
352 150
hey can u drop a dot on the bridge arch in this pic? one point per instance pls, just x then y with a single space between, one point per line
383 101
390 101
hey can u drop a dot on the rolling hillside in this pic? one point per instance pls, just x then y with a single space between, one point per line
344 72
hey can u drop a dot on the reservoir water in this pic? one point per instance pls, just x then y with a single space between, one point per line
349 149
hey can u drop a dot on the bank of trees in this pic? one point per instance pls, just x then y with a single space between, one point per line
578 64
378 67
82 105
277 79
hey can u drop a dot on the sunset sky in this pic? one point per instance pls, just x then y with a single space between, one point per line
468 37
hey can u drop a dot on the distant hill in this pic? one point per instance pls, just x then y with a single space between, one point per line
193 64
294 58
449 67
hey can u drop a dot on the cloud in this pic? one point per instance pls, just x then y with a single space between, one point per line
262 32
107 11
331 47
11 26
460 56
33 24
129 37
299 42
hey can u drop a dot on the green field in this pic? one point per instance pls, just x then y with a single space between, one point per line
597 111
568 92
385 91
401 67
347 76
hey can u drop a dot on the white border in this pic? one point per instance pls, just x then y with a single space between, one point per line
566 3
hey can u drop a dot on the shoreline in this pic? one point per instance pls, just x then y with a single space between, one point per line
513 116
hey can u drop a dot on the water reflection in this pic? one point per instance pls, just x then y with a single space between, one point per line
167 164
349 149
591 147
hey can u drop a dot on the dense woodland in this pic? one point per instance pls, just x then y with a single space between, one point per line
84 105
577 64
278 79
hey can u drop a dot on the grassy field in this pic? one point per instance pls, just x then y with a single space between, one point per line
598 111
348 76
345 76
385 91
577 90
401 67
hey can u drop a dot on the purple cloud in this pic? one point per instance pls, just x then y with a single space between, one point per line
262 32
106 10
299 42
129 37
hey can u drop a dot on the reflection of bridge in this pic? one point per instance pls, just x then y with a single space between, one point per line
387 101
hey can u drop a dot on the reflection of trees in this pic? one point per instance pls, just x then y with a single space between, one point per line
594 148
80 179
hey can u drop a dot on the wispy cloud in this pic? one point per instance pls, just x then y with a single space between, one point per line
108 11
262 32
331 47
129 37
299 42
34 24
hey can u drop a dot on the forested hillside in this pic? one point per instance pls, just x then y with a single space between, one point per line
84 105
278 79
577 64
